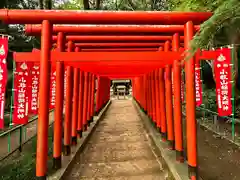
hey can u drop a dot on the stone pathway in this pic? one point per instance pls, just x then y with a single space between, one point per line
119 149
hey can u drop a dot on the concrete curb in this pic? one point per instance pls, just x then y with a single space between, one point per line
179 171
68 161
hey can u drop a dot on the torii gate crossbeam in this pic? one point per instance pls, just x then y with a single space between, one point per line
117 38
102 17
109 29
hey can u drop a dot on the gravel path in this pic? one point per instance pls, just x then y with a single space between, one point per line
119 149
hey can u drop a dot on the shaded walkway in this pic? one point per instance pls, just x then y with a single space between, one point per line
118 149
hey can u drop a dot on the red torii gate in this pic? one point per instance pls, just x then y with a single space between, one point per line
113 66
120 49
102 39
109 29
120 45
93 29
48 17
98 62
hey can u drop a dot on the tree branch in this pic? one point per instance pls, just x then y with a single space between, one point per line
48 4
86 5
133 6
41 4
98 4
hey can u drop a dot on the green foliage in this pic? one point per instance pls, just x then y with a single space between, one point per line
194 5
18 4
128 5
209 99
221 29
18 41
22 166
72 5
225 18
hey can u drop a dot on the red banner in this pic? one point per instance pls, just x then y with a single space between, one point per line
198 84
34 88
222 70
21 80
53 89
3 77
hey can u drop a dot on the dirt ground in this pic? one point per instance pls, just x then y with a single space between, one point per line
219 159
27 133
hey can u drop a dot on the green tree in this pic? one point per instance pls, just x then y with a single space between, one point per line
41 6
130 5
18 41
220 30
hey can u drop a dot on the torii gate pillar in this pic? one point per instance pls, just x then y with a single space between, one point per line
68 106
177 102
168 100
190 103
43 119
58 113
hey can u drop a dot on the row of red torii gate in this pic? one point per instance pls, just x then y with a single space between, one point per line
150 48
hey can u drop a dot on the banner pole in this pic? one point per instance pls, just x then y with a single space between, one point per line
202 121
11 108
233 92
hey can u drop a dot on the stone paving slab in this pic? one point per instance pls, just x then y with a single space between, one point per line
119 156
126 146
152 176
118 149
117 139
119 125
126 128
120 133
114 169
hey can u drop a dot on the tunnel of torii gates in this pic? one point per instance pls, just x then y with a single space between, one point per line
145 68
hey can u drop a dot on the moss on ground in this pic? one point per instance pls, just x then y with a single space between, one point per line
22 166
